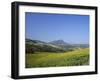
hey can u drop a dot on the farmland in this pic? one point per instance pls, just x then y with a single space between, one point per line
77 57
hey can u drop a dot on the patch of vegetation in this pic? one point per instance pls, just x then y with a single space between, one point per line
77 57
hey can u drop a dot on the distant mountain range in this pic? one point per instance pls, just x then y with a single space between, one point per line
53 46
59 42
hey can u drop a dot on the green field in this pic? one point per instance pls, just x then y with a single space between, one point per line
77 57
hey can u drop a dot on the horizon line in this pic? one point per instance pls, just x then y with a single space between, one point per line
55 40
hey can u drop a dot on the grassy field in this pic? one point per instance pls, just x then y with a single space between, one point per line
46 59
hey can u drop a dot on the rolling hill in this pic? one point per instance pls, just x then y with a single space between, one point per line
40 46
53 46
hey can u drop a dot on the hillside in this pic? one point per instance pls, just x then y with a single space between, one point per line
33 46
40 46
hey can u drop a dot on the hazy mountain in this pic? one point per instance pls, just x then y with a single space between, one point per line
59 42
81 45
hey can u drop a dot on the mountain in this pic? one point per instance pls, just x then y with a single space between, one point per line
59 42
62 44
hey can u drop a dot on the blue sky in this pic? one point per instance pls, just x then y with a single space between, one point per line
48 27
